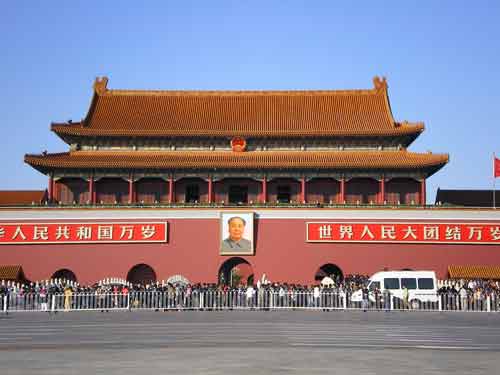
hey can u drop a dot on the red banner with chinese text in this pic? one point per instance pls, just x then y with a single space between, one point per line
496 167
458 233
82 232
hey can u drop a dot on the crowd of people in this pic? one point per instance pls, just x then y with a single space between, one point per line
61 294
471 287
469 294
60 286
112 293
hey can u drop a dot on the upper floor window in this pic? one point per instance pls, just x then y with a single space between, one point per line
192 194
283 194
238 194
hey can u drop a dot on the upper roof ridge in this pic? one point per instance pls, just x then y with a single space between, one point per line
100 88
257 113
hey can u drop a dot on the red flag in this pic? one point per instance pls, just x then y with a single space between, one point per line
496 167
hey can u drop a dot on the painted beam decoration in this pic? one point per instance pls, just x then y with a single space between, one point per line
82 232
398 232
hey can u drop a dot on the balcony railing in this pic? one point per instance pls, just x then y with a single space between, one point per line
309 205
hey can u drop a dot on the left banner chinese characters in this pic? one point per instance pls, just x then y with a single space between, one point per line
82 232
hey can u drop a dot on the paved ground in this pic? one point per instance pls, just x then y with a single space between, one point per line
250 342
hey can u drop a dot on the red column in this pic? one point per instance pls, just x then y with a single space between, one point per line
131 190
264 190
51 188
422 192
342 190
170 189
56 191
91 189
210 189
382 190
303 190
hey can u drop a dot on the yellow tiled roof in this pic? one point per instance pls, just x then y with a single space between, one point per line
11 273
240 113
403 160
8 197
474 272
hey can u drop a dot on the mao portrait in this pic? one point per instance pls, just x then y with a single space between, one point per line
236 233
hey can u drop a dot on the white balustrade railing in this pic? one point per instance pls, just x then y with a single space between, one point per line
237 300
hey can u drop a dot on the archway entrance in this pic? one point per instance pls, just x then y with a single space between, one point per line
235 271
330 270
64 274
141 274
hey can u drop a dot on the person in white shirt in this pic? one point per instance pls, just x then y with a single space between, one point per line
463 297
316 296
250 294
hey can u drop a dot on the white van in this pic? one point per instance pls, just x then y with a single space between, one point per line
422 286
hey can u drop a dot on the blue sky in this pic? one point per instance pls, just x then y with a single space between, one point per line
441 59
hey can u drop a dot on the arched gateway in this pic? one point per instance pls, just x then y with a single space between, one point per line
235 271
141 274
330 270
64 274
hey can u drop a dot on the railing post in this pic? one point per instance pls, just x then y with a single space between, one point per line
53 303
392 302
344 300
488 303
440 303
5 303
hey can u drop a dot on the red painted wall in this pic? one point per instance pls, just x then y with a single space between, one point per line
361 191
323 190
69 190
281 252
111 190
149 190
402 190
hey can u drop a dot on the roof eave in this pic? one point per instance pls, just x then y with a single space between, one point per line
65 133
60 129
437 167
30 160
42 164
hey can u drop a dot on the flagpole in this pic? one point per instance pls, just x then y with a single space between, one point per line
494 180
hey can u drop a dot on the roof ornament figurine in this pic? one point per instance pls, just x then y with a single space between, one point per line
380 83
101 85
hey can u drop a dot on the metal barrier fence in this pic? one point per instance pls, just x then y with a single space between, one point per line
61 302
236 300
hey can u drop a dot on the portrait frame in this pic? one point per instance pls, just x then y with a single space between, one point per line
229 247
